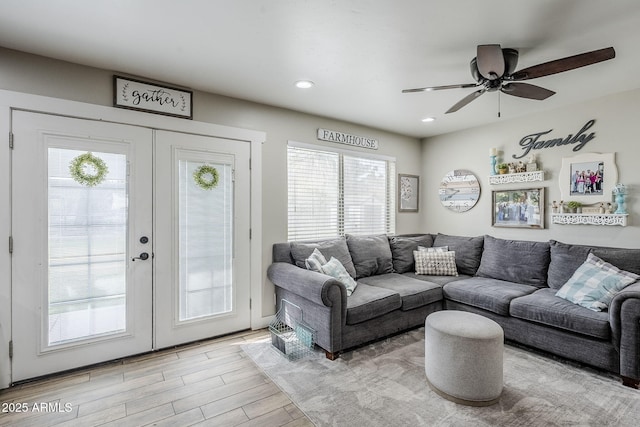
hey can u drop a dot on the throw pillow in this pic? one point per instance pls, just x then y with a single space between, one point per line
468 250
365 249
337 248
595 283
436 263
315 261
434 248
336 270
402 248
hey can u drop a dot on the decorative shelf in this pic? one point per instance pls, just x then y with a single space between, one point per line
516 177
590 219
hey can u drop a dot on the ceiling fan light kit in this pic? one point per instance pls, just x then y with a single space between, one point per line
493 69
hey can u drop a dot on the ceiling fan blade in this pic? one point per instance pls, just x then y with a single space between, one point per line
490 61
464 101
429 89
526 90
564 64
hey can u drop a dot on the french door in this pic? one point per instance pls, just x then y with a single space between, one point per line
202 237
117 251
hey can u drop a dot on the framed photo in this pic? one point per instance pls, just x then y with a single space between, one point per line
152 98
408 193
588 178
518 208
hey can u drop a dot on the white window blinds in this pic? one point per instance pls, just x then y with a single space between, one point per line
333 193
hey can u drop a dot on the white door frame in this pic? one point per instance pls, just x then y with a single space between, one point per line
15 100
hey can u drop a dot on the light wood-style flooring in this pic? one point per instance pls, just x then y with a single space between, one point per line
210 383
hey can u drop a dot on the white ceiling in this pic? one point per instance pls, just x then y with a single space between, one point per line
359 53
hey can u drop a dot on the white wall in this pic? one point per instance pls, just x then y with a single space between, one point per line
616 130
21 72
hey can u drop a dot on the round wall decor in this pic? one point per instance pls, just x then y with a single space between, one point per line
459 190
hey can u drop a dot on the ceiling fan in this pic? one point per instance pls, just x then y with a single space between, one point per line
494 70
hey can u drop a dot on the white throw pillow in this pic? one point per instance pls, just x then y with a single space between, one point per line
315 261
335 269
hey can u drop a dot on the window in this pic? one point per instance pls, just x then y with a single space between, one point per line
333 193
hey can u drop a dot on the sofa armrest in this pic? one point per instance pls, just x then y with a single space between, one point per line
315 287
322 298
624 316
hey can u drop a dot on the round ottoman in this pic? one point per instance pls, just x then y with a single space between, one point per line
463 357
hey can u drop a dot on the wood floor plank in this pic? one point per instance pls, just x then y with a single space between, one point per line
213 394
266 405
238 400
168 396
184 419
275 418
129 395
231 418
97 418
143 418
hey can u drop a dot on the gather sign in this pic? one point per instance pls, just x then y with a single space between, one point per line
533 141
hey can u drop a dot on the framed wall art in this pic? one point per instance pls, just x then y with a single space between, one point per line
408 193
518 208
588 178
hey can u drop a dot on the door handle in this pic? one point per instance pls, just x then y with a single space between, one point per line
143 256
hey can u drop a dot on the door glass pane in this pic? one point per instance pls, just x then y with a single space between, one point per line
87 248
205 240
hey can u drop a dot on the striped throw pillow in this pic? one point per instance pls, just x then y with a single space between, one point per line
435 263
595 283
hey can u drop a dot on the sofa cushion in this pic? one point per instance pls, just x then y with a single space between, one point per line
468 251
436 263
414 293
566 258
370 254
336 248
489 294
336 270
368 302
544 307
402 248
595 283
518 261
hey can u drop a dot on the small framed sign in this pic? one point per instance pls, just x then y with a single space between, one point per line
152 98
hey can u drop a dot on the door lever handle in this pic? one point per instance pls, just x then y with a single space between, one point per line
143 256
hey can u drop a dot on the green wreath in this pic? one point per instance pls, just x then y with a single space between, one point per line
87 169
206 177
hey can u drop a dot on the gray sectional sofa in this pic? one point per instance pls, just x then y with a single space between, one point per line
510 281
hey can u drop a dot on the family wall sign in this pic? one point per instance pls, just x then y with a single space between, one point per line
533 141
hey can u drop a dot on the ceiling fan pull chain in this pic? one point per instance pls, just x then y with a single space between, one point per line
498 104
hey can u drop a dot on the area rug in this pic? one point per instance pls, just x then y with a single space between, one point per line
384 384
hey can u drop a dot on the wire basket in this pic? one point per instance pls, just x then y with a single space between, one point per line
289 334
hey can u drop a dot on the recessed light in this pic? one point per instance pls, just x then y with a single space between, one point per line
304 84
428 119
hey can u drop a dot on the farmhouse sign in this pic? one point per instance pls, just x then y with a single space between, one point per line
345 138
533 142
152 98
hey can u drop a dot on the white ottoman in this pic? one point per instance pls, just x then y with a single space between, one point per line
463 357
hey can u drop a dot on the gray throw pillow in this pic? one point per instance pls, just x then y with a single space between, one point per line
519 261
365 249
336 248
402 248
468 251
